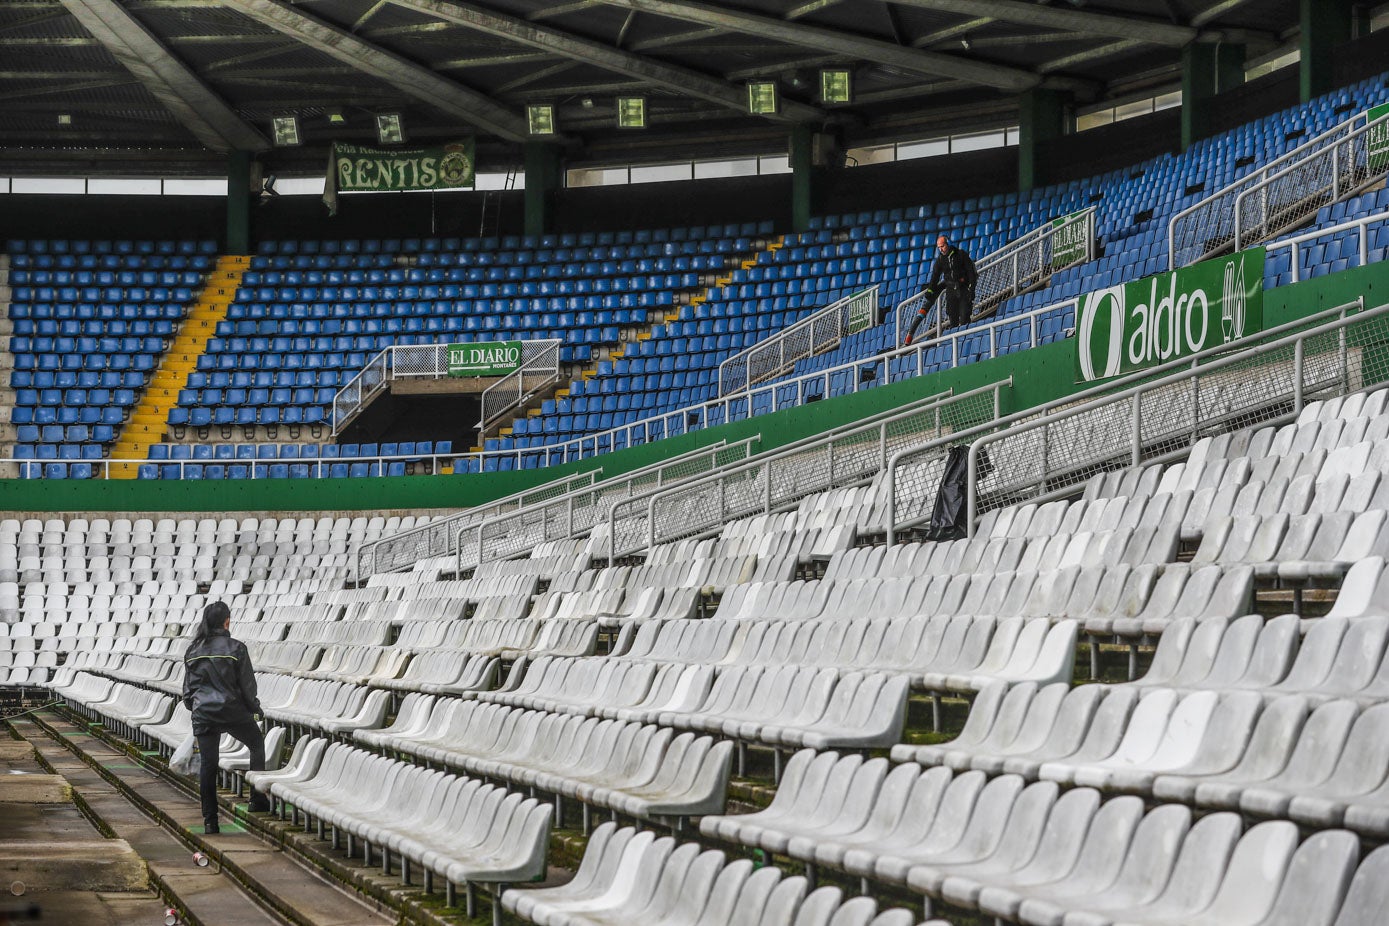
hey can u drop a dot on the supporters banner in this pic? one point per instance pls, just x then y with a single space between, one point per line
863 311
1378 142
487 358
359 169
1141 324
1070 239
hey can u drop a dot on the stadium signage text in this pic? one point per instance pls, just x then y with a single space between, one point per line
1136 325
1377 143
1070 239
488 358
359 169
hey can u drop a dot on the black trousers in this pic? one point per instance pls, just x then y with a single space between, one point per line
208 747
958 305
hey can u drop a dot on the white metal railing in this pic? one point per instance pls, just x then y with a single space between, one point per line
815 334
1292 196
539 368
1015 268
1221 388
1361 226
578 512
1208 228
849 455
387 554
414 361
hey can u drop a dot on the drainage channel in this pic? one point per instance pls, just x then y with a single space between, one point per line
245 879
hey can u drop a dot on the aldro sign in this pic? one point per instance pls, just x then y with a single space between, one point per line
487 358
1137 325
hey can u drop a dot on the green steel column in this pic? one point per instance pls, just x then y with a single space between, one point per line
1042 116
1325 24
803 176
1207 69
542 179
239 202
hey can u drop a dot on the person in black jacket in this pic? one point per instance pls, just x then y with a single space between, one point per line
954 273
219 687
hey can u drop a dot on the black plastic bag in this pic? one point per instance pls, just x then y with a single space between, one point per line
948 516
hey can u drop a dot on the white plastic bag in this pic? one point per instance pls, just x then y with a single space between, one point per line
186 760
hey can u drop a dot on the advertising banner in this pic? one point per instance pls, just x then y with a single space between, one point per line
357 169
1136 325
487 358
1378 142
1070 239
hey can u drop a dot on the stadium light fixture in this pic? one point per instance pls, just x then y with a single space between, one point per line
763 99
64 118
836 86
335 117
540 118
631 112
390 128
286 131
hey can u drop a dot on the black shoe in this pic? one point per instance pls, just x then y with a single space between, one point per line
258 807
211 829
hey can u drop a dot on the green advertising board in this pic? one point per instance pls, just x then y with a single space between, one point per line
486 358
1377 145
862 310
1069 240
1136 325
359 169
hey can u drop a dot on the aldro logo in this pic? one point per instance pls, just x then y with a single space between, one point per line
1141 324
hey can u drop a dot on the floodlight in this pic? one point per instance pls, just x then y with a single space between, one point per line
390 128
286 131
631 112
835 86
762 98
335 117
540 118
64 119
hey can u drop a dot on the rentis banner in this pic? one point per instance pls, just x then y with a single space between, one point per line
487 358
1069 240
1141 324
357 169
1377 145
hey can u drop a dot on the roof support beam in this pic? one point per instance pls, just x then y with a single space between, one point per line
201 111
1083 22
837 42
413 79
678 79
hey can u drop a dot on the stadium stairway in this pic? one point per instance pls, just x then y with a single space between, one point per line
685 303
148 420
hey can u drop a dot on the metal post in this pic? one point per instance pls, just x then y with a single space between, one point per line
1136 429
1297 376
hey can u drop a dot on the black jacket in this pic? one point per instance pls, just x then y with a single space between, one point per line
953 268
219 684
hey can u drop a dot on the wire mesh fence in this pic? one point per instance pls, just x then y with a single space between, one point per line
1210 227
780 480
352 397
539 368
1013 269
1292 196
435 539
578 512
776 356
1163 418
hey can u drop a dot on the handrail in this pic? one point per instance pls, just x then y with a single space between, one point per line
539 368
1229 356
1294 244
767 499
1210 203
821 331
659 470
444 525
1024 262
1310 188
1097 392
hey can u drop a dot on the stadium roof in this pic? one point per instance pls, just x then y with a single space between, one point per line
171 85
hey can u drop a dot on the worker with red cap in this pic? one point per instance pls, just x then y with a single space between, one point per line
954 274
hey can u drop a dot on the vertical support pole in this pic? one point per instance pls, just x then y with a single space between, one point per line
1325 25
542 163
239 202
805 176
1043 115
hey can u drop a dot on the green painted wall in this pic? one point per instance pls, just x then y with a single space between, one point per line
1039 375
